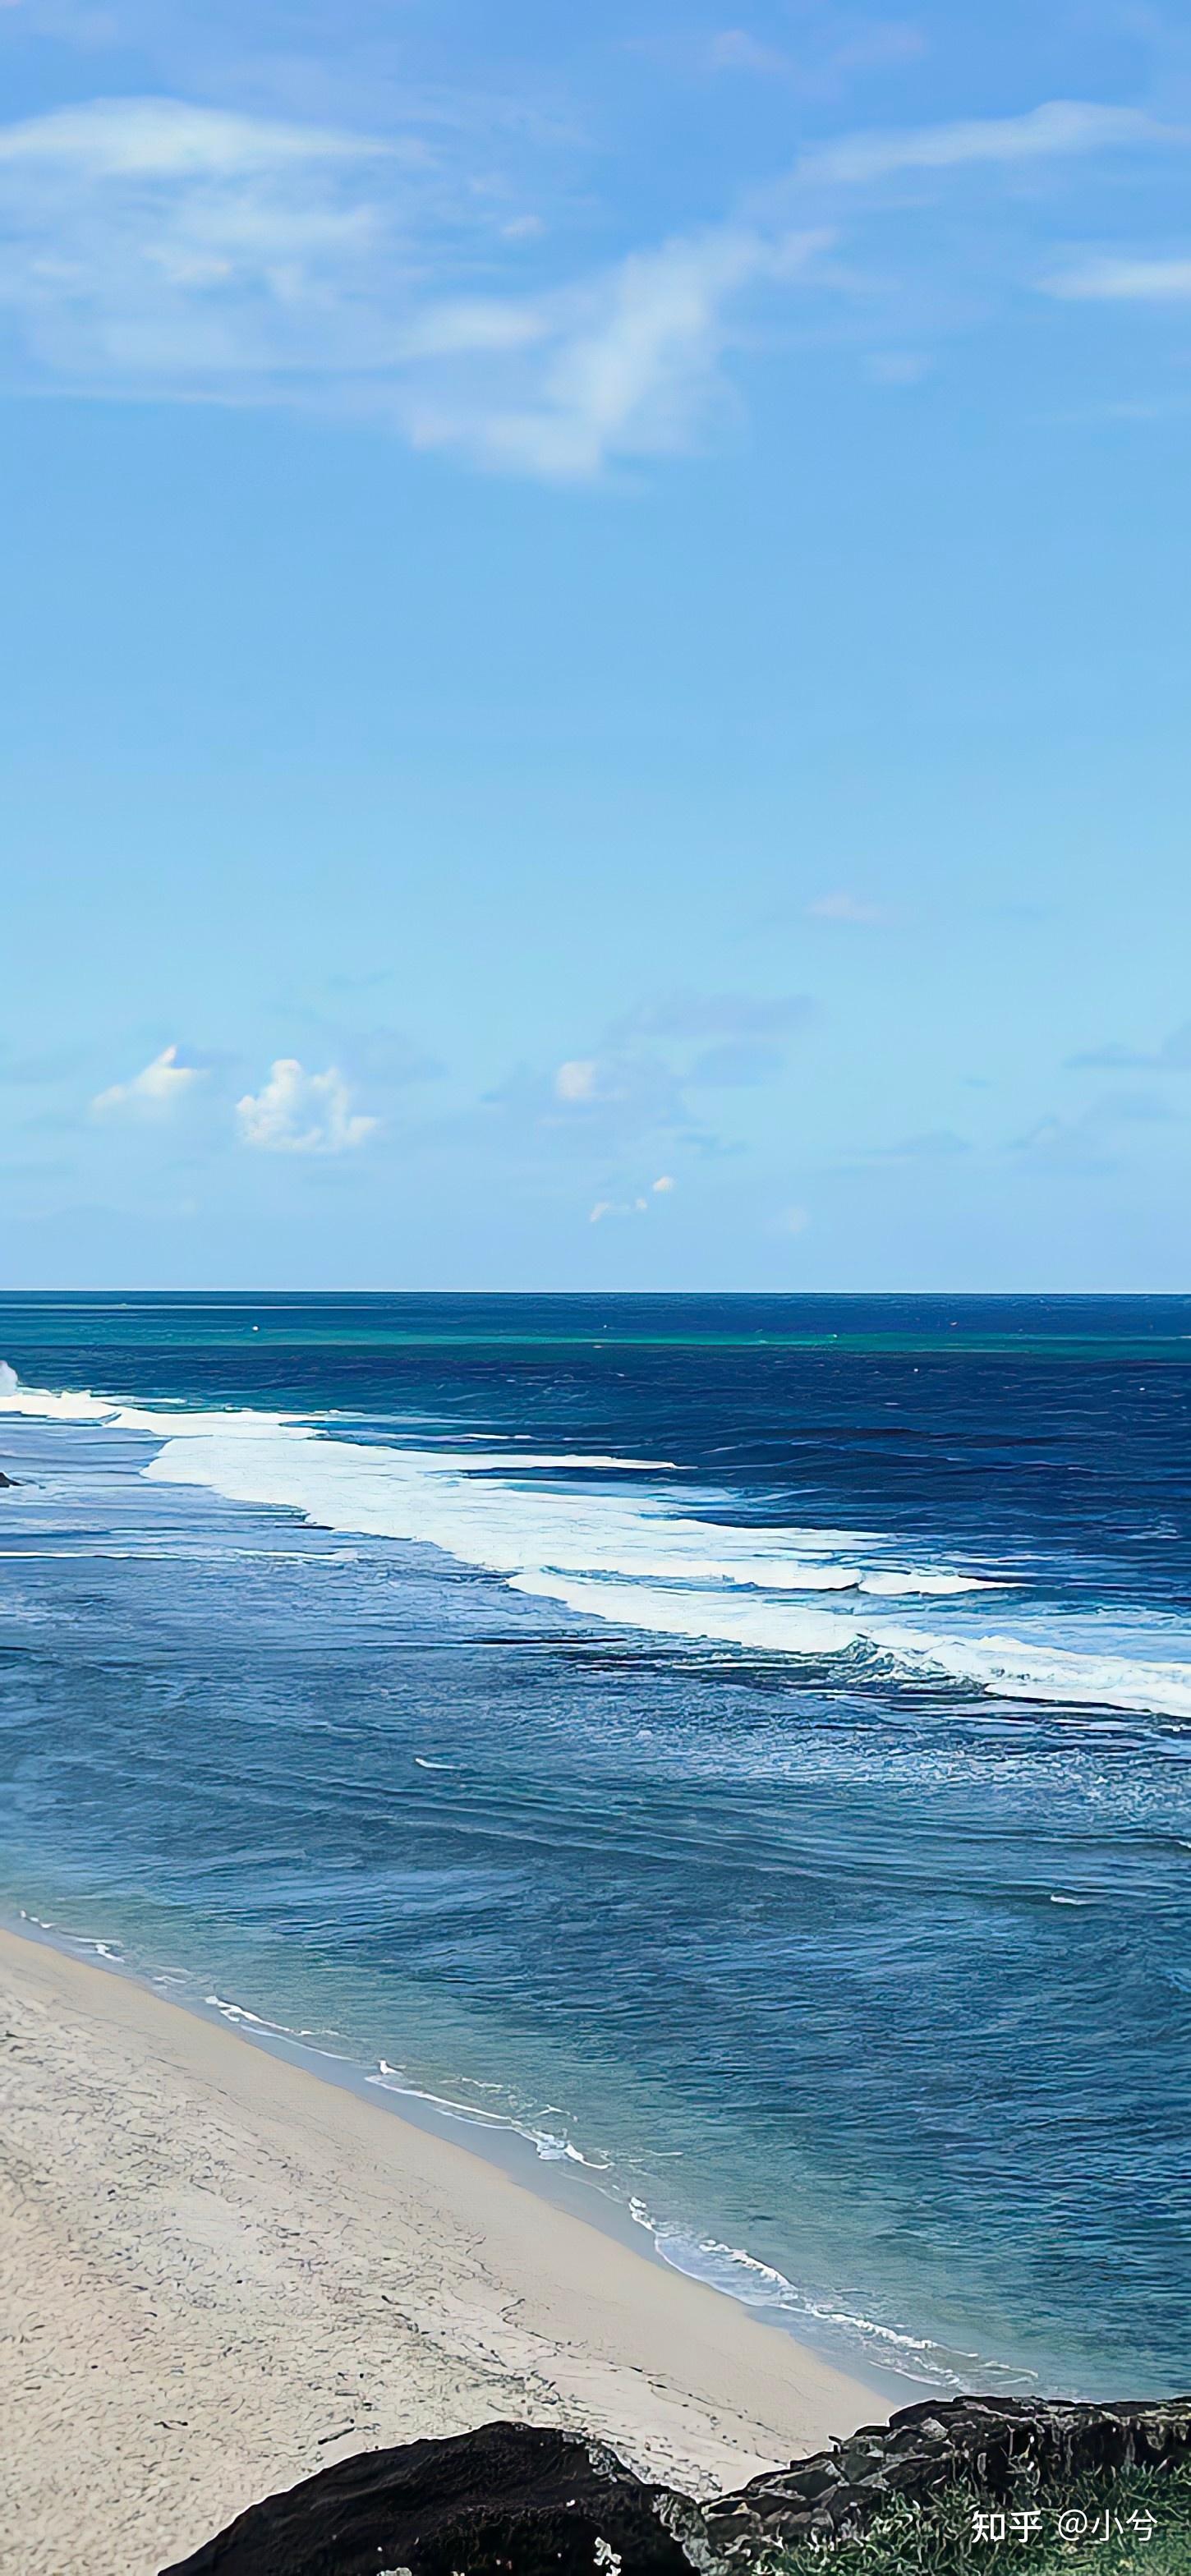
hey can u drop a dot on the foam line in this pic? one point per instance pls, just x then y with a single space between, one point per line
620 1553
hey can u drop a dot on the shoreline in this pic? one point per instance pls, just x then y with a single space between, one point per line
566 2183
224 2271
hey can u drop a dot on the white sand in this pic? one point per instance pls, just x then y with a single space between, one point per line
218 2274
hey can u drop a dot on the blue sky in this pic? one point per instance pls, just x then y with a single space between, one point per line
596 645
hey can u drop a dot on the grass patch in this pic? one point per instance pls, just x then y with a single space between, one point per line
944 2538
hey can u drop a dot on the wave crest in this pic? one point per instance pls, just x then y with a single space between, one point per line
632 1558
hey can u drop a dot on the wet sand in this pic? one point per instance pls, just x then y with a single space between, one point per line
219 2273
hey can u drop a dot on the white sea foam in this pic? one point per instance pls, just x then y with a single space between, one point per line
1009 1667
546 2144
638 1563
489 1510
75 1404
760 2285
632 1559
240 2013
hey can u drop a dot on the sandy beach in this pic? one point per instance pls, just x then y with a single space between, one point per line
220 2273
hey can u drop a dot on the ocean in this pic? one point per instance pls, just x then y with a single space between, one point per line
737 1746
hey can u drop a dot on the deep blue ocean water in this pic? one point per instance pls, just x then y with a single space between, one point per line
741 1743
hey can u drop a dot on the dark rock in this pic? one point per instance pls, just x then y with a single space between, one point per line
8 1481
1005 2446
509 2500
518 2500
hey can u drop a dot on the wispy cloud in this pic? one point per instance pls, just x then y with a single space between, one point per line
632 1088
846 907
167 139
719 1015
164 247
1172 1056
597 1105
737 1064
931 1145
625 364
1091 1144
642 1070
733 49
1122 280
617 1207
636 1205
296 1112
639 1079
578 1079
1055 131
153 1092
167 247
380 1057
824 59
155 247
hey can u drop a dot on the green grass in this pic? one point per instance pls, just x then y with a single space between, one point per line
941 2539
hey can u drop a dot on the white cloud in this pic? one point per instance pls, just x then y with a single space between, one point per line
158 247
626 363
154 248
165 138
1123 281
600 1104
1059 128
475 329
577 1079
734 50
622 1087
617 1207
815 67
638 1206
297 1112
153 1092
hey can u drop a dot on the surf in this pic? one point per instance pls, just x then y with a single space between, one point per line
563 1526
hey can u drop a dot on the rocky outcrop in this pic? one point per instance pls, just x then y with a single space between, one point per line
1004 2447
8 1481
511 2497
521 2500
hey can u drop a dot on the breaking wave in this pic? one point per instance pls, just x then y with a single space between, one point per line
588 1533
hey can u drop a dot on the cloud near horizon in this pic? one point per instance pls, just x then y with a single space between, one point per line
153 1092
296 1112
1090 1144
1172 1056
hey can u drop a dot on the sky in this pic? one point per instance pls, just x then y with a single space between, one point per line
595 645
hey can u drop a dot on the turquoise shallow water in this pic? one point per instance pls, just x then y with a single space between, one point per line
776 1806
